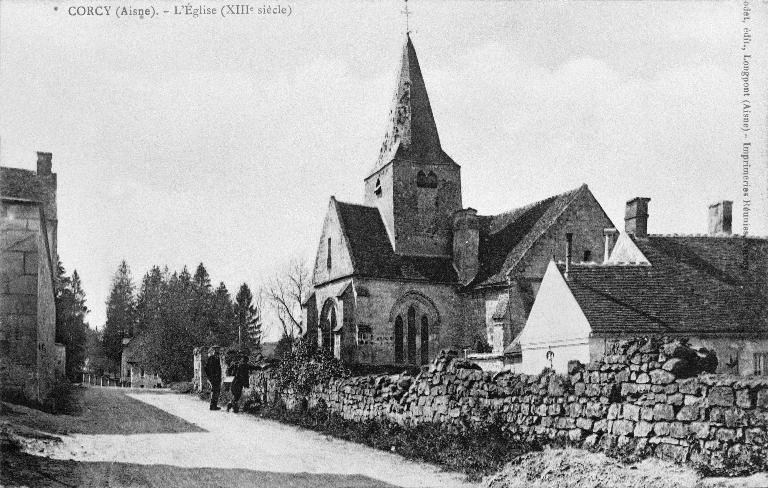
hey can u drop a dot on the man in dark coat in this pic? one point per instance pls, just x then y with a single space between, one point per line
213 372
241 380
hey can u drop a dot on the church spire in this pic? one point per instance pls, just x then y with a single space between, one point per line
411 130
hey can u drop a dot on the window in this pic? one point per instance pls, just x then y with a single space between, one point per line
424 180
412 335
761 363
587 256
377 188
328 258
424 339
398 340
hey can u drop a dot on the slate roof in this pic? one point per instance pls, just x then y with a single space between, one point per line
411 130
694 284
372 253
507 237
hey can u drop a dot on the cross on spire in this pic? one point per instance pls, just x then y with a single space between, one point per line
407 14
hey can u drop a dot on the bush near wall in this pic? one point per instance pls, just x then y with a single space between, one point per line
635 400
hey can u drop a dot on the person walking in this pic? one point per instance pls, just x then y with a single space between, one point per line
213 372
241 380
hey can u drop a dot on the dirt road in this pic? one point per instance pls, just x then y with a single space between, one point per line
283 454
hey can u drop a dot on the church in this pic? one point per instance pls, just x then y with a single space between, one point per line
411 271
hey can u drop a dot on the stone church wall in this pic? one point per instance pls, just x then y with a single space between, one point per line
27 310
635 398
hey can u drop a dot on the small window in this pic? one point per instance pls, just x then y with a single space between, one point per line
328 258
421 179
377 188
587 256
761 363
424 180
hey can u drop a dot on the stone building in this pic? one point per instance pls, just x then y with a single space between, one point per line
29 356
711 289
411 270
133 372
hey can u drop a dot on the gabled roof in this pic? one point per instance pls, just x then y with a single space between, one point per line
411 130
693 285
372 253
507 237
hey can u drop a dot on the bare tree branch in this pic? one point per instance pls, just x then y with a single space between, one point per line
285 292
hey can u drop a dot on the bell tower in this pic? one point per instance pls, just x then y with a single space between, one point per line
415 185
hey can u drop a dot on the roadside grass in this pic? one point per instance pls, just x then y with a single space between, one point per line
99 411
476 452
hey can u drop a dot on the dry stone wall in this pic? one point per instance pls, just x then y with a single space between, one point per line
639 399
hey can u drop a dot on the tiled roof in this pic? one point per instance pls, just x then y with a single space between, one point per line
21 183
507 237
700 284
372 253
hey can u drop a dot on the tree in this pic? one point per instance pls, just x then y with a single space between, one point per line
285 292
95 361
247 317
71 328
224 330
121 310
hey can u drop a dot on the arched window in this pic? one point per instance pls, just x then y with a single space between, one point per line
411 335
328 257
424 339
431 180
399 340
327 325
421 180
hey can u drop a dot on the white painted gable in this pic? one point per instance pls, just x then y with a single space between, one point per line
556 324
626 251
341 261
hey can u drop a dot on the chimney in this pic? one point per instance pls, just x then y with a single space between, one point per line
568 251
611 235
720 217
44 163
466 244
636 217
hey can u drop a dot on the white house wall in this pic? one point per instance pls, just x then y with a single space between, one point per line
556 324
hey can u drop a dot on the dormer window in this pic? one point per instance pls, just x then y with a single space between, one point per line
328 258
377 188
426 180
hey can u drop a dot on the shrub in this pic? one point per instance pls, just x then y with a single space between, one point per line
306 365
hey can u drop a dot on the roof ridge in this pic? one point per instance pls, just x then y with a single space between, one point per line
572 194
537 202
710 236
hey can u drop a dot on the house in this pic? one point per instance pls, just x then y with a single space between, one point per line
411 271
711 289
29 356
132 372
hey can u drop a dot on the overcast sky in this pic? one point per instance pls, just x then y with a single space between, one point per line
180 140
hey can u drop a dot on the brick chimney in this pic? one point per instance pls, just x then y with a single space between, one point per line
466 244
44 163
611 234
636 217
720 217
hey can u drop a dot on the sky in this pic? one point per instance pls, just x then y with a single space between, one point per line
180 140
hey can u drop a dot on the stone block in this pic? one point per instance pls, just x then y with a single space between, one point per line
743 398
600 426
661 377
672 452
663 412
23 285
614 411
623 427
700 429
579 388
678 430
762 399
575 435
688 413
584 423
733 417
722 396
646 413
661 428
631 412
725 434
30 263
643 378
643 429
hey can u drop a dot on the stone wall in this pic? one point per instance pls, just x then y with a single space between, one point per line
637 398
